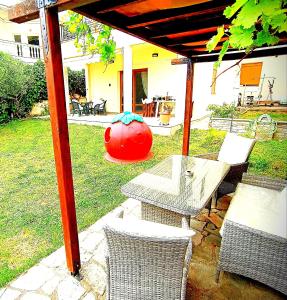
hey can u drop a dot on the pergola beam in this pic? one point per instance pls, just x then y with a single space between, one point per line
27 10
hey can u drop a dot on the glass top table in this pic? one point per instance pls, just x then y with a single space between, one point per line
182 184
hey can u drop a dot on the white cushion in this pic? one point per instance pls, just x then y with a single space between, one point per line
259 208
235 149
148 229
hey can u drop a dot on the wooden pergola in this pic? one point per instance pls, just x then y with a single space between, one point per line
181 26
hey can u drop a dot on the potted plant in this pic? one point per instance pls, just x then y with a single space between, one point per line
165 114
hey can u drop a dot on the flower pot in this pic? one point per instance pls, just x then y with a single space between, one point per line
164 118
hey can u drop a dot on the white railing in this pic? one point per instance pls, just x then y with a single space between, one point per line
26 52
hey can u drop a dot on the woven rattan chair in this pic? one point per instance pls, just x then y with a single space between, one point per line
100 108
76 108
146 260
254 238
235 151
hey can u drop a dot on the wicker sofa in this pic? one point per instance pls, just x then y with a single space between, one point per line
146 260
254 238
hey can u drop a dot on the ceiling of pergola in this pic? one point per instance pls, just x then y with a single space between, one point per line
181 26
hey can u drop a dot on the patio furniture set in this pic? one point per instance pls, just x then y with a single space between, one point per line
88 108
149 258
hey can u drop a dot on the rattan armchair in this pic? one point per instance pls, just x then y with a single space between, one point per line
254 234
146 260
232 146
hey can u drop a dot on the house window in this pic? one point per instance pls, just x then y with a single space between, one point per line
34 49
19 49
250 74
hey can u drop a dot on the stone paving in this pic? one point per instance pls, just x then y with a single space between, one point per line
49 279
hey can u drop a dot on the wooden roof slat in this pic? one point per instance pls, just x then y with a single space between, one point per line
146 6
200 43
178 17
187 33
195 27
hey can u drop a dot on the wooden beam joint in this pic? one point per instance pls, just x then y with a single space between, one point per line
180 61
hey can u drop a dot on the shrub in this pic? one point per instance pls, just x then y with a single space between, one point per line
223 111
21 86
77 83
38 89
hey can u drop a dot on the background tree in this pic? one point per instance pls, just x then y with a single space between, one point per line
254 23
77 83
21 86
92 37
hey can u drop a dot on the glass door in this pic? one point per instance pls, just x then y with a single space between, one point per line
140 89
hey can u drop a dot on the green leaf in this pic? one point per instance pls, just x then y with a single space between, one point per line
222 52
240 37
268 7
265 38
127 117
231 10
279 22
212 43
248 15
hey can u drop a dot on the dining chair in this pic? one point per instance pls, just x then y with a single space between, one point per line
100 108
146 260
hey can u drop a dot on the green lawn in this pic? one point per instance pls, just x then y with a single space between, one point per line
30 226
277 116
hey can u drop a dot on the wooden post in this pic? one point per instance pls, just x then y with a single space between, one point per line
188 108
58 115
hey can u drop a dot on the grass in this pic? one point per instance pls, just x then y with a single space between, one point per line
30 225
277 116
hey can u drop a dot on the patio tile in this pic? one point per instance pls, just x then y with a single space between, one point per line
100 254
9 294
55 259
197 239
91 241
33 279
90 296
215 219
50 286
223 203
95 276
34 296
197 225
70 289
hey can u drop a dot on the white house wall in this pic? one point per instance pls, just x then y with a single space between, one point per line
228 84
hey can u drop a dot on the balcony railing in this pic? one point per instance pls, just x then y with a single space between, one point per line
26 52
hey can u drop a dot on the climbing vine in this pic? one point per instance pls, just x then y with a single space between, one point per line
92 37
254 23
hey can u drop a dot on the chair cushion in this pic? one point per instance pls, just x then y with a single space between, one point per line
143 228
258 208
235 149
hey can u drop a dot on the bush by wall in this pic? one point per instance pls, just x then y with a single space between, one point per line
21 86
223 111
77 83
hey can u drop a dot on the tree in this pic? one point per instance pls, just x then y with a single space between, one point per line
77 83
21 86
92 37
255 23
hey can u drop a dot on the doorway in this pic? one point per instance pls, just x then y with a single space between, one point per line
140 89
